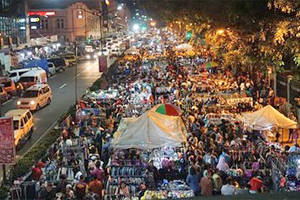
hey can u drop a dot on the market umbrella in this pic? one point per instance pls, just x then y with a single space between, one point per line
208 65
168 109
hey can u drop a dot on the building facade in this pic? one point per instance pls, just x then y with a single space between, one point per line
76 22
12 22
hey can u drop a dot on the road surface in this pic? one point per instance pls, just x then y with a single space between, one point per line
63 87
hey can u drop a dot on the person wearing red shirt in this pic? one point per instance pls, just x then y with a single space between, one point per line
255 185
80 188
36 172
96 186
41 164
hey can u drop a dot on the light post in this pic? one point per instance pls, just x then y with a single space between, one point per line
269 70
289 78
220 31
76 69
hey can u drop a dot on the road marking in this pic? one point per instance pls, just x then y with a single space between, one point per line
52 76
6 102
83 71
45 133
62 86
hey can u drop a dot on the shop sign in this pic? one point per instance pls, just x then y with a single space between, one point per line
42 13
7 147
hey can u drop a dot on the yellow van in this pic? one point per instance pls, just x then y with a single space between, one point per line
35 97
23 125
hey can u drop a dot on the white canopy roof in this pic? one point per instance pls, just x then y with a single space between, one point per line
266 118
132 50
184 47
149 131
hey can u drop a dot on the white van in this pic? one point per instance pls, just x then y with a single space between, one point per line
16 74
33 77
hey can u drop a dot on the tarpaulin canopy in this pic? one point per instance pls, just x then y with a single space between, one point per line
149 131
133 51
266 118
184 47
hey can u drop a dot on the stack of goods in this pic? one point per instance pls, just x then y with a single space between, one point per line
168 195
175 190
293 172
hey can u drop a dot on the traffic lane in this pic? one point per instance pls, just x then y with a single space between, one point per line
63 98
56 81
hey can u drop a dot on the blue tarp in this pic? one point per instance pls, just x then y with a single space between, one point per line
36 63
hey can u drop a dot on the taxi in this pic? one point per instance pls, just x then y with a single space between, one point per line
35 97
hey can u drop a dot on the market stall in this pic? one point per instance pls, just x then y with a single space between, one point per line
266 118
154 137
151 130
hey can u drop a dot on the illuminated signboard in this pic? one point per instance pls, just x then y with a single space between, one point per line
41 13
35 22
7 147
35 19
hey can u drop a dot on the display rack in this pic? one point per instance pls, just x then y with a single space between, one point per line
131 172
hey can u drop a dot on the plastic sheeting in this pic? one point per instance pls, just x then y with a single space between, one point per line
149 131
184 47
266 118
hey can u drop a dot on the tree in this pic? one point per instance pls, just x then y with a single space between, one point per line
256 34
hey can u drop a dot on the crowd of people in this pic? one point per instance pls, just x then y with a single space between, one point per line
219 157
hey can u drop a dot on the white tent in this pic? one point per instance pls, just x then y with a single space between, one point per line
184 47
266 118
149 131
132 51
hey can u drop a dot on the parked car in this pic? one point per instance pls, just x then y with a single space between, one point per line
3 95
42 63
59 63
52 68
70 59
15 75
8 85
33 77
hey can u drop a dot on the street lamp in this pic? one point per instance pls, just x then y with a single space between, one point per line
269 70
220 31
136 27
153 23
289 78
120 7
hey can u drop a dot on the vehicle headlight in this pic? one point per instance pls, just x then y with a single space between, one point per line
18 102
88 56
32 102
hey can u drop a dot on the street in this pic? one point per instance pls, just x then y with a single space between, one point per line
63 88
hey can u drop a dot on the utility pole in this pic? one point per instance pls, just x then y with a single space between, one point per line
76 66
3 165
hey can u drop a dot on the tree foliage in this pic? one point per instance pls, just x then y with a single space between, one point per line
257 34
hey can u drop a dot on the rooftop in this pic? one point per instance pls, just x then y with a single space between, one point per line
59 4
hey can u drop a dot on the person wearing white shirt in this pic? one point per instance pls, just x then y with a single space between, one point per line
228 189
